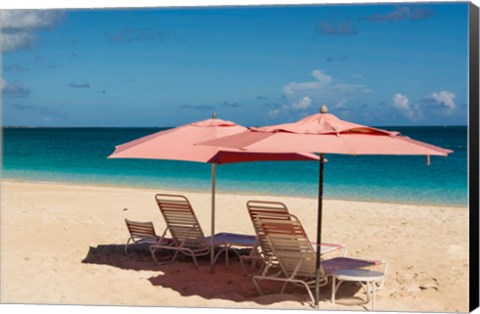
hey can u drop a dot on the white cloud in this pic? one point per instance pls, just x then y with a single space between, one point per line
402 103
322 89
29 19
325 87
322 78
446 99
16 40
301 105
442 102
13 90
322 81
275 112
18 26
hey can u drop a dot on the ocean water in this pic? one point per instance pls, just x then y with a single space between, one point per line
79 155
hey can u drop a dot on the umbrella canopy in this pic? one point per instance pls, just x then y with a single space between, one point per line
324 133
179 144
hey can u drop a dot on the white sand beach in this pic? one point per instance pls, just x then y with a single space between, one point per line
63 244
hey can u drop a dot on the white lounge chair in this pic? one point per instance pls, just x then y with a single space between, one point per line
262 252
188 237
296 257
142 233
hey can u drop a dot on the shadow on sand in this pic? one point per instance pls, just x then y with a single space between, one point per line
228 283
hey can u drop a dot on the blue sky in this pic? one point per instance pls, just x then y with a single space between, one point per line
404 64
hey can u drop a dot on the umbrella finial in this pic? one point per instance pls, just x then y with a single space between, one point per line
214 115
324 109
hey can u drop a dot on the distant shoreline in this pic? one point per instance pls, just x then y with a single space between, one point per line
220 192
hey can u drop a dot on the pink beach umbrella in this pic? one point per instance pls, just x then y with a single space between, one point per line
324 133
179 144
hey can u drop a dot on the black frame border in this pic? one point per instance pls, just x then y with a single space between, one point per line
473 146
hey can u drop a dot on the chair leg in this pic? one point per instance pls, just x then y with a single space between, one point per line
154 249
309 292
126 246
190 252
385 269
333 289
253 264
218 254
227 263
236 253
262 267
335 286
174 256
283 287
243 267
195 262
152 252
367 290
254 278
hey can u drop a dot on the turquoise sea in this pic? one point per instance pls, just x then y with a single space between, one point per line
79 155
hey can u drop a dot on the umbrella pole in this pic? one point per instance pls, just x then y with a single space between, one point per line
212 238
319 229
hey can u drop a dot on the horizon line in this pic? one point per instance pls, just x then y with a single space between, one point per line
163 127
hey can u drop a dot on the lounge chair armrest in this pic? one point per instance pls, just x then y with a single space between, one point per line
328 248
381 263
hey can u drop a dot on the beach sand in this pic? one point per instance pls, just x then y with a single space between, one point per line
63 244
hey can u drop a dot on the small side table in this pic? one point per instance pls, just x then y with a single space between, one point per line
363 276
230 241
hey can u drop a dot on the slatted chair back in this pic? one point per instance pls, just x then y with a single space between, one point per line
181 220
290 245
272 210
141 230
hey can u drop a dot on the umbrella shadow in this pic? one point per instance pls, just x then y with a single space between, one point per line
227 283
138 258
231 284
